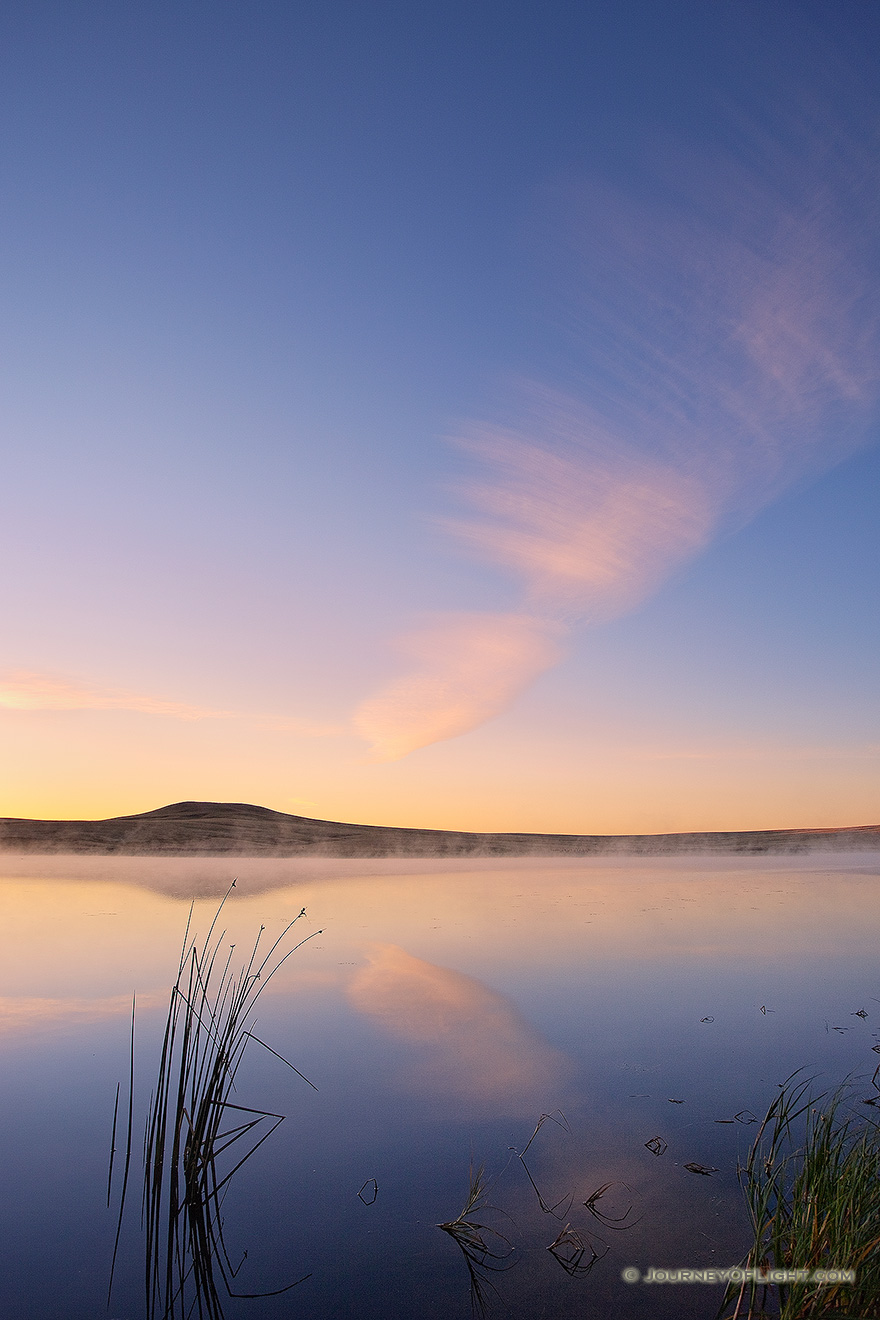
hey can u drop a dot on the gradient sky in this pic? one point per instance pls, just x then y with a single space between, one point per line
456 415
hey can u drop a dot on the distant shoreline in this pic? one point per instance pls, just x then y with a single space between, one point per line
232 829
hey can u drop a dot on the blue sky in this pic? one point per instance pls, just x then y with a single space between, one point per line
410 413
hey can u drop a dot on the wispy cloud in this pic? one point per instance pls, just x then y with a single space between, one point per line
32 690
587 527
733 333
25 689
479 1048
468 667
726 335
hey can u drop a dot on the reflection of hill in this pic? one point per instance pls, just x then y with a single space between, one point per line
232 829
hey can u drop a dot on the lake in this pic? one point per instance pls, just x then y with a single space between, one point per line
443 1009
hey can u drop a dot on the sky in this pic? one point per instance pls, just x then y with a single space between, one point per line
461 416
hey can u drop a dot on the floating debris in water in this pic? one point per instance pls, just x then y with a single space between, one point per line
609 1221
700 1168
657 1146
859 1013
676 1102
371 1187
707 1019
745 1116
569 1248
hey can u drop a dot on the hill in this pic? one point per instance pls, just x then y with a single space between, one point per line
234 829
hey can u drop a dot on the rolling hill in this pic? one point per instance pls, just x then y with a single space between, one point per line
218 829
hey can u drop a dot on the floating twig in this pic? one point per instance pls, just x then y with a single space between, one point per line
371 1194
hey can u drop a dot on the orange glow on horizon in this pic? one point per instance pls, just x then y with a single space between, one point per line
530 778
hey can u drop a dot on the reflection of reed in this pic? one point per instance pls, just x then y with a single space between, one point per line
484 1248
192 1123
561 1121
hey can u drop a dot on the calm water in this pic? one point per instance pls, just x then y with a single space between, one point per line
442 1011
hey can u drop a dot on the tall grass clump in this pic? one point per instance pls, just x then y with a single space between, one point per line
812 1184
196 1138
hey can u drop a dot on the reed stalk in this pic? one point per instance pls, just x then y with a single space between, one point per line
196 1137
812 1185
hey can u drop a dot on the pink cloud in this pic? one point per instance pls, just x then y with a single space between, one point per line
468 668
25 689
728 346
31 690
589 529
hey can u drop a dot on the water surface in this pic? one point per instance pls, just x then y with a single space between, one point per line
444 1008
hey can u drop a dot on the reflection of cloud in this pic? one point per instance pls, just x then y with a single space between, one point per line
726 339
469 667
18 1012
479 1046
